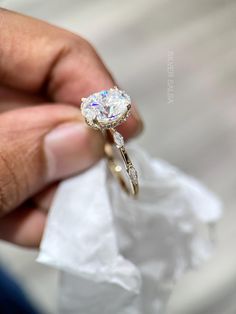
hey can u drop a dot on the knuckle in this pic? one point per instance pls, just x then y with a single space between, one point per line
70 41
73 43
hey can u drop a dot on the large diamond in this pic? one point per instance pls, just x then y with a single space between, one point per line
106 108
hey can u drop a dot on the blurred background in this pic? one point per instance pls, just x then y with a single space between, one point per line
177 60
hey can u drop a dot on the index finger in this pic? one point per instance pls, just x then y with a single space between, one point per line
37 57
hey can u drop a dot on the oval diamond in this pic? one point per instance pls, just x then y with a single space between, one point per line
106 108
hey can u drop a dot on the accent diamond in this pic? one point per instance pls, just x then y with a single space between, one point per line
107 107
118 139
133 174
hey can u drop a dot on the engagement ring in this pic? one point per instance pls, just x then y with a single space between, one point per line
104 111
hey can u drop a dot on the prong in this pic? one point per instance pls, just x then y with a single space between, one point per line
129 106
83 99
96 124
87 121
95 121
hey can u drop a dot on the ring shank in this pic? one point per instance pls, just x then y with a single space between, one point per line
116 169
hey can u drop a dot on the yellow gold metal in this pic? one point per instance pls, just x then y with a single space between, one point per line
116 170
133 188
129 184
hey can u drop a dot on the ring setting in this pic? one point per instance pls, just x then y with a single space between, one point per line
104 111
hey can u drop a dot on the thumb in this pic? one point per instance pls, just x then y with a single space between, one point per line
39 145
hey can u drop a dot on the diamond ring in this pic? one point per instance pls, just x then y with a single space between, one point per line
104 111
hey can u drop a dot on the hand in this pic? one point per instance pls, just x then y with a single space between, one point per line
44 72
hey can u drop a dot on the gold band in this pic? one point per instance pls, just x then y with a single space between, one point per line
104 111
116 169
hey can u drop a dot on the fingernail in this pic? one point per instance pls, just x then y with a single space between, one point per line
71 148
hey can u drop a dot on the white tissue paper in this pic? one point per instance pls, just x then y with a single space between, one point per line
119 255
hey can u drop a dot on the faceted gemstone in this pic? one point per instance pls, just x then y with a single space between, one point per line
104 93
133 174
106 107
118 139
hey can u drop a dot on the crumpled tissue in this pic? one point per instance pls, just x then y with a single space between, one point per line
119 255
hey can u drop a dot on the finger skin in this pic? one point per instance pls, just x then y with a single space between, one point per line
60 64
24 226
29 162
44 199
65 65
11 98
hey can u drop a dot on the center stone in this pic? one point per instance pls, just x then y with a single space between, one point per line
106 107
